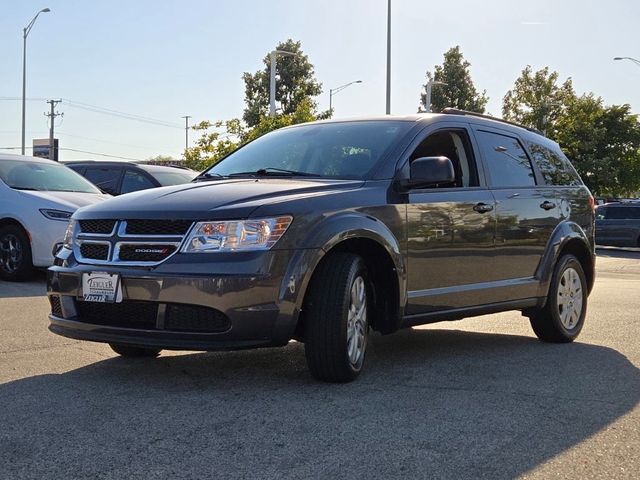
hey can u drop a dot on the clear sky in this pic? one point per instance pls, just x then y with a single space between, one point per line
166 58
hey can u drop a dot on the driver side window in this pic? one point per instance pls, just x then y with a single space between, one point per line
455 145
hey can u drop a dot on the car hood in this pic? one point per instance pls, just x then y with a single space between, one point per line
222 199
68 200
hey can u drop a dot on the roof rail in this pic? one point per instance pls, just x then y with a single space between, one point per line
455 111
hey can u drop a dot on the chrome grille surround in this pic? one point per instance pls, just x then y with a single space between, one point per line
119 238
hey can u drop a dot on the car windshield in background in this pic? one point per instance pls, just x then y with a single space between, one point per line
173 178
338 150
43 176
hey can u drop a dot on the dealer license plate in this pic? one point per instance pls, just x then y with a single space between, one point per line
101 287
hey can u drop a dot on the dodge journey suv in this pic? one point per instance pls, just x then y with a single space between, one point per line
325 231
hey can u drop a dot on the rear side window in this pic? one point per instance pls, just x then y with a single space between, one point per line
508 163
622 213
106 179
555 167
134 181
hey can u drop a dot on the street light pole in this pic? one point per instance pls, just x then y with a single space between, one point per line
333 91
25 33
272 80
428 88
388 110
634 60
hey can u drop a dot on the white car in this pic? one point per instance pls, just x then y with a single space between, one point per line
37 197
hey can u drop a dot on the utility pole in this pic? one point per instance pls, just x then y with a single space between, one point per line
272 79
52 116
186 131
389 57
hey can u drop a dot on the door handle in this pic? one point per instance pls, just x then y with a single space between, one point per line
482 207
547 205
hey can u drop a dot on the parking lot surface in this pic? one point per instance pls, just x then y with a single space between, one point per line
479 398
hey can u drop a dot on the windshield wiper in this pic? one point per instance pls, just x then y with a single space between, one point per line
208 175
274 172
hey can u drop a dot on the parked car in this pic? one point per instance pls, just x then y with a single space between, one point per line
618 224
323 231
117 178
37 198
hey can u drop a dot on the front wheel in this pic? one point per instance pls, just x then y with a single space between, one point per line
129 351
335 316
15 254
563 316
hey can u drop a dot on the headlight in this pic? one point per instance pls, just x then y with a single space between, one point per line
237 235
68 235
56 214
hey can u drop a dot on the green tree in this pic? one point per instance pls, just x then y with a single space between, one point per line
459 91
219 139
536 99
295 83
603 144
161 160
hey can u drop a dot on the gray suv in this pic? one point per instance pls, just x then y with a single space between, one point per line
618 224
323 231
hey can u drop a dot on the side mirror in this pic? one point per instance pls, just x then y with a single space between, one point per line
430 172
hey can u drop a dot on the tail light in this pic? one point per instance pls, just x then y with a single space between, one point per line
592 204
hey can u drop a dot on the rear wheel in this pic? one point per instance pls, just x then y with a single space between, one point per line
129 351
563 316
336 324
15 254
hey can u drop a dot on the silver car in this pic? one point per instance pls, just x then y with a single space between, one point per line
37 197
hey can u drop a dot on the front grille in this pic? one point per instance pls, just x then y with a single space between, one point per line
158 227
95 251
56 305
143 315
190 318
101 227
145 253
128 314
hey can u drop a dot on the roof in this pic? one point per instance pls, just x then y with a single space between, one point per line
144 166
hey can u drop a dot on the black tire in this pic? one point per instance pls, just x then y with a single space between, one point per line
335 341
129 351
16 263
559 321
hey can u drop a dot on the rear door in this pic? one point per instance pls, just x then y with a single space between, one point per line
527 211
450 229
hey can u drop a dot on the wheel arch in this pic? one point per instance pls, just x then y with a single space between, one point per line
567 238
378 246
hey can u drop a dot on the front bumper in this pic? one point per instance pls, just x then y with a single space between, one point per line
248 300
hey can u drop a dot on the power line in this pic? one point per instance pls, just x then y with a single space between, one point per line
83 151
107 111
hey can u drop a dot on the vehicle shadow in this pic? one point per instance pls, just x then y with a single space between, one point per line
35 287
432 403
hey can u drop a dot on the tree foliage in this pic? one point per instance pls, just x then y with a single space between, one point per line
219 139
295 83
536 99
603 142
459 91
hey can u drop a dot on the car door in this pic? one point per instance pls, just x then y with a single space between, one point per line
527 211
620 226
450 229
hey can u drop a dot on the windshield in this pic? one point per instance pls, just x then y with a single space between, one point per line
173 178
52 177
339 150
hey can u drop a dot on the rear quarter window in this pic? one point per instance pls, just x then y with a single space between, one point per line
554 165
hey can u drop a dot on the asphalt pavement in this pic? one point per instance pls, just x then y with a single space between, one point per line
478 398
